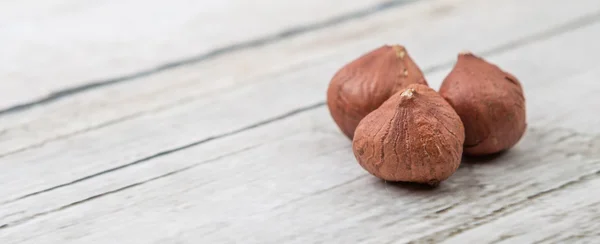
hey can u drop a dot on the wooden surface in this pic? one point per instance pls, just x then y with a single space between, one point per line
204 122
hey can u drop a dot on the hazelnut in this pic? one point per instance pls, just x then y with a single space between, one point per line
415 136
490 103
364 84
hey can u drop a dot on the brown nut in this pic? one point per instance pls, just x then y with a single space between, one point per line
415 136
490 103
364 84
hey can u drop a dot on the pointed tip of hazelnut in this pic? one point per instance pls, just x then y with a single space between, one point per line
408 93
469 56
399 49
465 53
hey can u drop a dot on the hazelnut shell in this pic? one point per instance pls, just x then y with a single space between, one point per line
364 84
489 101
415 136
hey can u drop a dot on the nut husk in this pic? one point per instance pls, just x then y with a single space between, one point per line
364 84
489 101
415 136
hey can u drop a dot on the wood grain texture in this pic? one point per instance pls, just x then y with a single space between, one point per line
568 216
49 49
333 47
476 195
158 160
312 190
96 109
120 144
125 100
148 100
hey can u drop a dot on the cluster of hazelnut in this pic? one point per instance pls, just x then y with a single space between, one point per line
402 130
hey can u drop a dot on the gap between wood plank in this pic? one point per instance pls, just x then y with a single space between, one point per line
285 34
173 150
565 28
436 237
570 26
23 220
505 210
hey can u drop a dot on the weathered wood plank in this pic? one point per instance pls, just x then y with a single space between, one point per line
49 48
296 205
98 109
307 179
568 216
306 187
294 137
335 46
369 211
93 109
111 148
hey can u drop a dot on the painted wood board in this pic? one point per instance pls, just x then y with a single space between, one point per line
306 187
338 196
172 126
52 49
476 195
109 105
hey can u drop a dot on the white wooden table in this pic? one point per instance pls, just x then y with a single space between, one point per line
185 121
